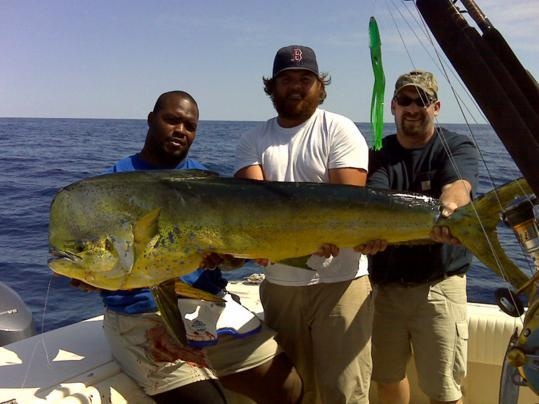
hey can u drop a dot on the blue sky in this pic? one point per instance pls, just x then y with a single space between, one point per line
111 59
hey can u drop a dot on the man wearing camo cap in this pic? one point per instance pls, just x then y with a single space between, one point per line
420 291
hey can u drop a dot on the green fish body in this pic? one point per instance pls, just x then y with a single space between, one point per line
139 229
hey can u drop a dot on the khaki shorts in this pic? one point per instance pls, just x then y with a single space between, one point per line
326 330
126 335
429 319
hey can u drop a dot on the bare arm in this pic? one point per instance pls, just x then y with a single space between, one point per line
371 247
348 176
250 172
253 173
454 195
352 176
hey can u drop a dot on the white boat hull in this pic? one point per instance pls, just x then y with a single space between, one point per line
73 364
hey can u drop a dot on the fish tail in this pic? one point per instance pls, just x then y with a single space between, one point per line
475 226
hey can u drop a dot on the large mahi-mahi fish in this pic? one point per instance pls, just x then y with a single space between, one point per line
138 229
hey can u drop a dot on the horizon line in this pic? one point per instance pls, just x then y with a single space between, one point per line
209 120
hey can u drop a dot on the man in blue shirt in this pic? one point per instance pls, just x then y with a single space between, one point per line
167 371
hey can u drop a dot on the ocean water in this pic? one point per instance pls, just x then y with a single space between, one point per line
41 155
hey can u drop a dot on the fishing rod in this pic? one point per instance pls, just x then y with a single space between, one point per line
503 63
495 40
489 80
507 68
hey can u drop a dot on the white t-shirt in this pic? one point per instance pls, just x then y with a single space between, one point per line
305 153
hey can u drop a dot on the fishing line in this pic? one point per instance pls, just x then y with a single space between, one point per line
41 340
418 18
26 373
489 176
481 154
497 261
43 319
460 102
400 34
438 61
442 68
476 213
487 169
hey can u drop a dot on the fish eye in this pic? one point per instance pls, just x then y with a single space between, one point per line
108 245
75 246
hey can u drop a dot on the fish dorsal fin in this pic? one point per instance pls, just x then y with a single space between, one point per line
145 229
195 173
180 175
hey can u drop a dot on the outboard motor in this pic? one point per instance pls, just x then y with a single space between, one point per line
16 321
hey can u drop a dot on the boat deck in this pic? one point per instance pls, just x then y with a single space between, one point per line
73 364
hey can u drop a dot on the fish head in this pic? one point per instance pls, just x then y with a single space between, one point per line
103 260
89 238
117 231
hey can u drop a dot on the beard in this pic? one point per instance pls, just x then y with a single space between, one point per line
414 128
164 155
173 154
296 109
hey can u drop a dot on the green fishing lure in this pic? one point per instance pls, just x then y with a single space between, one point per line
378 90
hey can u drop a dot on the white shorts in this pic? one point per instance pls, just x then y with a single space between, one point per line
127 337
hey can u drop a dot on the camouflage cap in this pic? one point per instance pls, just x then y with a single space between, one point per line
418 78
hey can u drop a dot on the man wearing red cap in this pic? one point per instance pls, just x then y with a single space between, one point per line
320 306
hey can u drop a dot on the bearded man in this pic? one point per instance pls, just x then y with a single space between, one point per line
320 306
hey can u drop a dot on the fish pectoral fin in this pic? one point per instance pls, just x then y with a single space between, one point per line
166 297
167 302
124 253
145 229
184 290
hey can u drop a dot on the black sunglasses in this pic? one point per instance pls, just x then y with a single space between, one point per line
422 102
